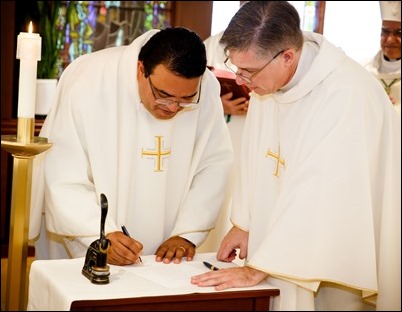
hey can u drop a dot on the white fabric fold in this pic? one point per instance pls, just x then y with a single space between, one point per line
333 214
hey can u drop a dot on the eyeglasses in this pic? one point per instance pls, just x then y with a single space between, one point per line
386 32
234 69
170 100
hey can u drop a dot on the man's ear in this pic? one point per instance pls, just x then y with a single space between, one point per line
140 69
288 55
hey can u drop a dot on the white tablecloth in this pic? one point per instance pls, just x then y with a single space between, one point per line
55 284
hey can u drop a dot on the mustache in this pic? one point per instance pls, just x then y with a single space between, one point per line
392 46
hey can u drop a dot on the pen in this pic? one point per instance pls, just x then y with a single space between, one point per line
210 266
123 228
228 116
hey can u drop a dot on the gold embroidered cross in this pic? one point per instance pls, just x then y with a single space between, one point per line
279 160
158 153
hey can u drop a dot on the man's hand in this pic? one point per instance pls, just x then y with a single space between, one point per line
174 249
234 239
123 250
231 106
229 278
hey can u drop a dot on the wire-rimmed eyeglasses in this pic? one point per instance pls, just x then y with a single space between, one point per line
234 69
179 101
386 32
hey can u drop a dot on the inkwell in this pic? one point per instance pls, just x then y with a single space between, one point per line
95 266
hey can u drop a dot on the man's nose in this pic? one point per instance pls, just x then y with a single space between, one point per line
174 106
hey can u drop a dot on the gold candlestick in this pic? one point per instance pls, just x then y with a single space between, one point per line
23 147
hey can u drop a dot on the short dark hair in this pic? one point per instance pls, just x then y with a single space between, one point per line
270 26
179 49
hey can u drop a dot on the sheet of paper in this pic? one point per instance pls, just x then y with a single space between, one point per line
174 275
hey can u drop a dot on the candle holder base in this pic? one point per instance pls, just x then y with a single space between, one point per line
17 149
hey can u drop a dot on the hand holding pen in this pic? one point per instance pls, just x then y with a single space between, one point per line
124 229
123 250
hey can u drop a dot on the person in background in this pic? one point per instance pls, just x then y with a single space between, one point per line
317 207
141 124
235 110
386 65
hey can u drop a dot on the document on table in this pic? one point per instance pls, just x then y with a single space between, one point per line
174 275
55 284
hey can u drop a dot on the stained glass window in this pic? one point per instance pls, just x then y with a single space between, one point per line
307 12
89 26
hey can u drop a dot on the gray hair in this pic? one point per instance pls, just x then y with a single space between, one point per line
267 26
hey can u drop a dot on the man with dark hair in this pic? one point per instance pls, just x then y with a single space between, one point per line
143 125
317 210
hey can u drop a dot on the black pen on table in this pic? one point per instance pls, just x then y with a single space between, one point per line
123 228
210 266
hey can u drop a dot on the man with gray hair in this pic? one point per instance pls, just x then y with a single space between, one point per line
317 208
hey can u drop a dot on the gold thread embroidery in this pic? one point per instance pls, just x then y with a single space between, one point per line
387 87
279 160
158 153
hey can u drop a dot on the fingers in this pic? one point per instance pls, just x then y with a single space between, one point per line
190 253
235 239
123 250
222 279
235 107
226 254
179 254
229 278
175 249
227 96
171 253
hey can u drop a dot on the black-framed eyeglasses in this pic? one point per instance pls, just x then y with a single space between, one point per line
185 103
386 32
234 69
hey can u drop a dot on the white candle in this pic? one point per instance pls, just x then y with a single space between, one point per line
29 53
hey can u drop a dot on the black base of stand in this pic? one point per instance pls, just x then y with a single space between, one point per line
98 275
